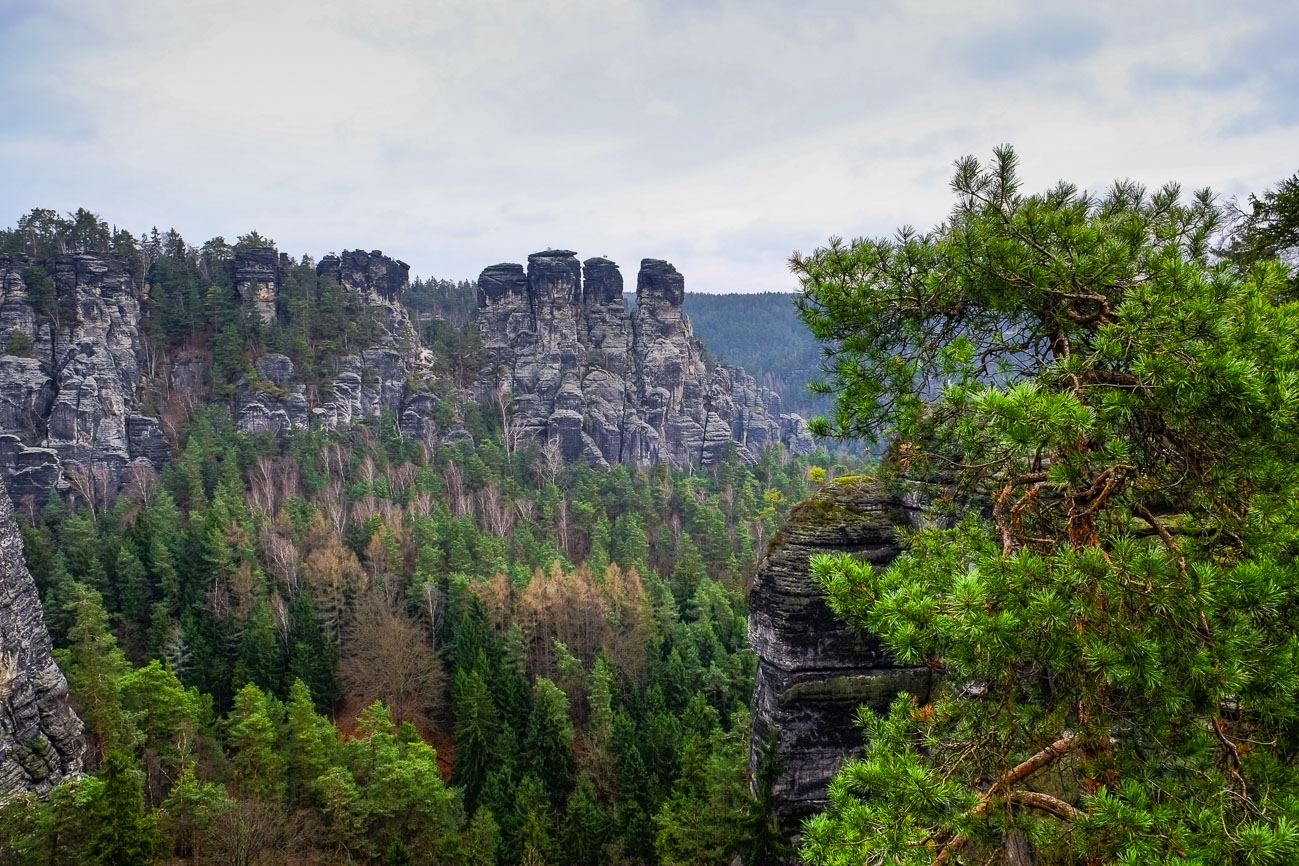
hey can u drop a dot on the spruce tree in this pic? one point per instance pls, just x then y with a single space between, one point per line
549 740
124 834
477 731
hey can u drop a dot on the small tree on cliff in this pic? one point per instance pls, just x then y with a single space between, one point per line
1117 625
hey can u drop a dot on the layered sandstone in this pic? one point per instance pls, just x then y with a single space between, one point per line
609 385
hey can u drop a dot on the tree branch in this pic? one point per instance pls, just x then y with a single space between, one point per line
1011 777
1043 803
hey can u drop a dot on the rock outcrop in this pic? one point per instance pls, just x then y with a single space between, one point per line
40 735
256 276
612 386
813 670
69 412
361 386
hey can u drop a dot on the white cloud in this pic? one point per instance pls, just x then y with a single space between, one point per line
720 135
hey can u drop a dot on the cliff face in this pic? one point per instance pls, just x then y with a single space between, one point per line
813 670
69 414
40 736
611 386
605 384
362 385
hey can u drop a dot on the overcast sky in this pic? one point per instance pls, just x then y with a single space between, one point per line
718 135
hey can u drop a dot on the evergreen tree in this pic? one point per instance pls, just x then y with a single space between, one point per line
1126 409
533 824
477 730
585 828
124 834
258 765
549 741
259 658
93 664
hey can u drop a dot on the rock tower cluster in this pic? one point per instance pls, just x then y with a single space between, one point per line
568 361
610 385
69 411
363 384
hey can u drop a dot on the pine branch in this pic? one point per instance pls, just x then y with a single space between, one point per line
1007 780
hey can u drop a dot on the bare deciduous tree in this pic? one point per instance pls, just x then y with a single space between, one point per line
282 559
252 833
457 498
552 459
140 482
498 513
387 657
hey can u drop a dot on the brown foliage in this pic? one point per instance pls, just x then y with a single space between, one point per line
387 657
585 612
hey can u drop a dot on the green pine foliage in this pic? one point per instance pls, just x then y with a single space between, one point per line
1108 585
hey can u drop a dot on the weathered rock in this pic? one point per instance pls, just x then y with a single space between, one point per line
272 403
40 736
609 386
813 670
379 282
360 386
255 274
68 393
144 439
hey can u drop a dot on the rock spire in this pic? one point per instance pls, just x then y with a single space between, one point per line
609 385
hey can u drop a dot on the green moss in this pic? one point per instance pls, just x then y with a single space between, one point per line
876 690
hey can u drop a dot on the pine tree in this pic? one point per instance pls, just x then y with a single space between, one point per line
1112 611
258 765
93 664
310 741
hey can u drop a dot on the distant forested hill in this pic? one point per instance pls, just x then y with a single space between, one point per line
762 333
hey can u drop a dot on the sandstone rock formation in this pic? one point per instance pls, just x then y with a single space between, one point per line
813 670
611 386
69 413
256 276
40 736
379 282
362 385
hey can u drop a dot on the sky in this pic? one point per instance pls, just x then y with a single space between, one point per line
721 136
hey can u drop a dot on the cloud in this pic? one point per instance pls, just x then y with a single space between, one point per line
720 135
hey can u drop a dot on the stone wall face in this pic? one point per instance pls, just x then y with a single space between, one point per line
256 276
362 385
814 671
69 412
40 736
611 386
604 384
